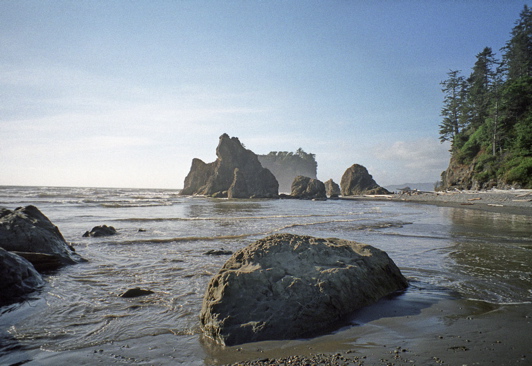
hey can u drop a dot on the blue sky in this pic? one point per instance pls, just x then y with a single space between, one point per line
127 93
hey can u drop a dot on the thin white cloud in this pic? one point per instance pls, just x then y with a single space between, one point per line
424 153
416 161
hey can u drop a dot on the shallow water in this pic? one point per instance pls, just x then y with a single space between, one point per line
446 253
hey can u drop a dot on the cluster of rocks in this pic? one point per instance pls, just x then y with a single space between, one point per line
29 243
290 286
238 173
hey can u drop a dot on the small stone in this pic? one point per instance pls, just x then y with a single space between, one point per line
136 292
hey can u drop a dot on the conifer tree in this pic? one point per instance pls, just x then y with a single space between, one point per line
517 55
454 89
480 82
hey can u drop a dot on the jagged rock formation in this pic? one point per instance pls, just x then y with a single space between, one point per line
286 166
307 188
26 229
18 278
332 189
290 286
459 176
236 173
356 181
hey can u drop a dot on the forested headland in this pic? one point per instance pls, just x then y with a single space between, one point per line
288 165
487 116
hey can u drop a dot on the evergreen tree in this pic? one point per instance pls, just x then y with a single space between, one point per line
495 111
517 55
480 82
488 117
452 112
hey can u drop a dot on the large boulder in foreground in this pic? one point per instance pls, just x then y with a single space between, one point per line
236 173
26 229
308 188
18 278
356 181
289 286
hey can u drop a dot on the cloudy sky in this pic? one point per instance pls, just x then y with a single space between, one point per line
127 93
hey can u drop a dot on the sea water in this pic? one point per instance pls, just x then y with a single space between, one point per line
79 317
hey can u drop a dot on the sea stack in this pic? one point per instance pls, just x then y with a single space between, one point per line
236 173
357 181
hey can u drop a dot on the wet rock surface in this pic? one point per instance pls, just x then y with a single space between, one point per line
26 229
136 292
18 278
99 231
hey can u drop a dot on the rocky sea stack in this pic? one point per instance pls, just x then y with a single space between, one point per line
308 188
236 173
290 286
356 181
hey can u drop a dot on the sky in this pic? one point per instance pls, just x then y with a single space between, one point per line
126 93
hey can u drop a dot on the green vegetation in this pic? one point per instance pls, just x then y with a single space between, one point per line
487 116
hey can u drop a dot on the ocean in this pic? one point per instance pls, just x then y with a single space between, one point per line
447 254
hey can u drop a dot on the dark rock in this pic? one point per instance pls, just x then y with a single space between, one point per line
308 188
289 286
357 181
18 278
26 229
286 197
136 292
40 261
236 173
218 252
332 189
99 231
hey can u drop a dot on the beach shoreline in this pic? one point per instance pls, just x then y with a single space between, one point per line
513 202
448 332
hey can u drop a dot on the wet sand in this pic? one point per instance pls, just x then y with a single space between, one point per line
448 332
515 202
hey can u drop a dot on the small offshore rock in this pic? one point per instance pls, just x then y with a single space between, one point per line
136 292
332 189
308 188
218 252
99 231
